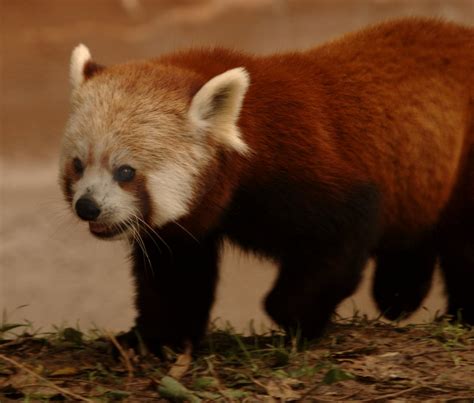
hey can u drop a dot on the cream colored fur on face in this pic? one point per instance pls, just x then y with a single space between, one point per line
153 130
172 189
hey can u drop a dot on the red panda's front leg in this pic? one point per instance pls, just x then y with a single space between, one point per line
175 284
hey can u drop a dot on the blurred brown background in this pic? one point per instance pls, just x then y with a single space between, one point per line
48 260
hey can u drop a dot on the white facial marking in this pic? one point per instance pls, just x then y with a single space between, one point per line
216 107
79 57
172 189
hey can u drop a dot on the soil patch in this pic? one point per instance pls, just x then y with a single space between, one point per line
358 360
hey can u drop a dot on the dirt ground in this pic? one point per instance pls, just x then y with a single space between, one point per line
364 361
49 262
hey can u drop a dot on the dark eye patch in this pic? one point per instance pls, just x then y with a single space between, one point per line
124 173
78 166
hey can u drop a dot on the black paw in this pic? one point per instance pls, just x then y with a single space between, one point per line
398 305
144 344
297 323
396 302
133 340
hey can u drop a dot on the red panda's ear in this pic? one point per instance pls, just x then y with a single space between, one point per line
82 66
216 107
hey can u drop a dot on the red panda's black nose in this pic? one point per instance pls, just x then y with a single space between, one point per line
87 209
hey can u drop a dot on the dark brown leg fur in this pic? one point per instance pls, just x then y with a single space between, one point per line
456 243
308 290
403 278
174 295
322 268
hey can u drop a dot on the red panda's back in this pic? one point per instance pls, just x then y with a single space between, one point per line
389 104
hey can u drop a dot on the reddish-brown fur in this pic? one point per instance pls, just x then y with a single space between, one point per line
362 146
330 109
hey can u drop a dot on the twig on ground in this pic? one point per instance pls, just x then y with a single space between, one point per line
435 352
123 354
339 399
11 343
394 394
312 389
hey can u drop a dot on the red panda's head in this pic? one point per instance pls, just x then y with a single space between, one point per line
140 139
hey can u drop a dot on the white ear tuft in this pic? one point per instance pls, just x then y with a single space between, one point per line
79 58
216 107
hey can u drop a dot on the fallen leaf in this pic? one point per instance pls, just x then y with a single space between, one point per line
235 394
336 375
171 389
205 382
27 384
281 390
64 371
182 364
209 396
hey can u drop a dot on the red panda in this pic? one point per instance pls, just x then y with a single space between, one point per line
320 159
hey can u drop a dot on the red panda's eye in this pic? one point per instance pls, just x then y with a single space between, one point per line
124 173
78 166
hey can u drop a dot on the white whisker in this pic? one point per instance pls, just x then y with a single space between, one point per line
139 241
155 233
186 231
140 221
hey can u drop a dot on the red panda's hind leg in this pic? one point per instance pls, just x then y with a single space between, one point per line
324 266
306 294
456 244
457 264
403 278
